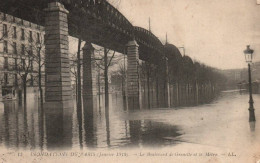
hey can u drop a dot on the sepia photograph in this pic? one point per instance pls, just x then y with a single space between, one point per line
130 81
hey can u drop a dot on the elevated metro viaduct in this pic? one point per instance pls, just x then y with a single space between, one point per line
95 21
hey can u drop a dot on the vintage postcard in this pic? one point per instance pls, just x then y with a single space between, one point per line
130 81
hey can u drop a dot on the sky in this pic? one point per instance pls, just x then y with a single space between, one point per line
214 32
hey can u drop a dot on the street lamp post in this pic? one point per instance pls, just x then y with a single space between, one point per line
248 57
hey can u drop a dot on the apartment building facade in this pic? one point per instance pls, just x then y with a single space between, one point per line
21 49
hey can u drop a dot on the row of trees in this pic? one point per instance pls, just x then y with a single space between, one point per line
183 70
183 75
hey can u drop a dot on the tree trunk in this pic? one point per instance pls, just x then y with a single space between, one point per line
188 94
40 78
76 85
79 74
157 91
123 87
99 91
148 87
24 88
106 79
177 94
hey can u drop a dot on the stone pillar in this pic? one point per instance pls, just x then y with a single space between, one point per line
89 77
58 93
133 83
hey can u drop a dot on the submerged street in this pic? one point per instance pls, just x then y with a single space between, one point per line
222 124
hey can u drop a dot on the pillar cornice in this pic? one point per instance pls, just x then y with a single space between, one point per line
56 6
88 46
132 43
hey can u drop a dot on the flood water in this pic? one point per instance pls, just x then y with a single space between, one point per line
31 127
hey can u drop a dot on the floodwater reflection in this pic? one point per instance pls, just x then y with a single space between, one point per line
89 121
58 128
32 127
148 133
93 126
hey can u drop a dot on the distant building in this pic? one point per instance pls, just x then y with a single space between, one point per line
256 71
238 78
233 77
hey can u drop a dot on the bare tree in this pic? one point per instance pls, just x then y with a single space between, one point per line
118 76
23 69
73 70
36 50
104 64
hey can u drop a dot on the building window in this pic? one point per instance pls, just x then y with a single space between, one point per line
6 63
14 48
14 32
38 37
22 34
30 37
5 32
5 78
23 49
5 46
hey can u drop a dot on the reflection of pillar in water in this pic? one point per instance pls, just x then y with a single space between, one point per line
126 129
41 126
59 128
89 122
135 131
79 118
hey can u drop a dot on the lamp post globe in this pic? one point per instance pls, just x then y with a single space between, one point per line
249 57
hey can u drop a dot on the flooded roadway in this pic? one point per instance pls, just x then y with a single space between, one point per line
220 124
